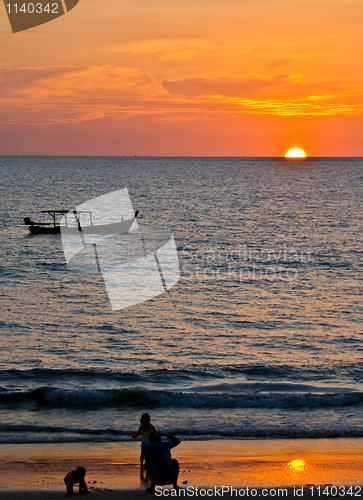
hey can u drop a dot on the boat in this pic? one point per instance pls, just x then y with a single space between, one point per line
120 227
45 227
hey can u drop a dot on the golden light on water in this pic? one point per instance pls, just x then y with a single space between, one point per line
298 471
295 153
297 466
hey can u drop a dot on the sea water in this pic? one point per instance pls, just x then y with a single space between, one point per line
260 338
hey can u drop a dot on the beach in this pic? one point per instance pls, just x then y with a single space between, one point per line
250 467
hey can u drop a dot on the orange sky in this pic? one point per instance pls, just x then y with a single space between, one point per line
186 77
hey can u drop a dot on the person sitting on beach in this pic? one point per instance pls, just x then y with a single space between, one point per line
146 428
161 468
76 477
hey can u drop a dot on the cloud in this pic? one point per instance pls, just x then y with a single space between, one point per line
72 94
15 81
180 118
281 108
68 81
167 49
192 87
280 95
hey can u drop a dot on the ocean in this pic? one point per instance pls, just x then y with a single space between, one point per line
261 337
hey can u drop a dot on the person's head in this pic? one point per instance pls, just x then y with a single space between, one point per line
80 473
153 437
145 419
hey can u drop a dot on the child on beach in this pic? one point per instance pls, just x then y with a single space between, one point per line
76 477
146 428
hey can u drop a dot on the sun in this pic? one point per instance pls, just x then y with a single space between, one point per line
295 153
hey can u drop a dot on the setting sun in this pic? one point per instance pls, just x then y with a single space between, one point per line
295 153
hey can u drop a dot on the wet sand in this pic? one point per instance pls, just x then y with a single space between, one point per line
254 468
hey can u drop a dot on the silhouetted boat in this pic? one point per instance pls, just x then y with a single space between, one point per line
45 227
120 227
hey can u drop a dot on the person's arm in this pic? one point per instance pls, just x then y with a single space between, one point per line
173 439
135 434
83 486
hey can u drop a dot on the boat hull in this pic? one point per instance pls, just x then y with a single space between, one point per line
104 229
44 230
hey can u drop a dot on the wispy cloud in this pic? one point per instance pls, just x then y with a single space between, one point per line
276 107
39 83
281 94
72 94
167 49
193 87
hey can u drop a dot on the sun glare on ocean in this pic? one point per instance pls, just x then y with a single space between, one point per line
296 470
297 465
295 153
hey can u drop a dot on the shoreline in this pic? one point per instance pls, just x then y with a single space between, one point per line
31 471
281 492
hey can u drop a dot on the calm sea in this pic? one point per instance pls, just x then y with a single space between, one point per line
261 336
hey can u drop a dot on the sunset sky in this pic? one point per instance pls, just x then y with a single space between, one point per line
186 78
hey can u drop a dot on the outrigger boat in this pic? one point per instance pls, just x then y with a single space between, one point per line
45 227
120 227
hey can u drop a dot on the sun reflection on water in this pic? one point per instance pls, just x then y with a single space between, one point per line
296 469
297 466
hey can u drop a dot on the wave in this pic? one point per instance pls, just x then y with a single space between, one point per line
172 377
48 375
32 433
259 396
